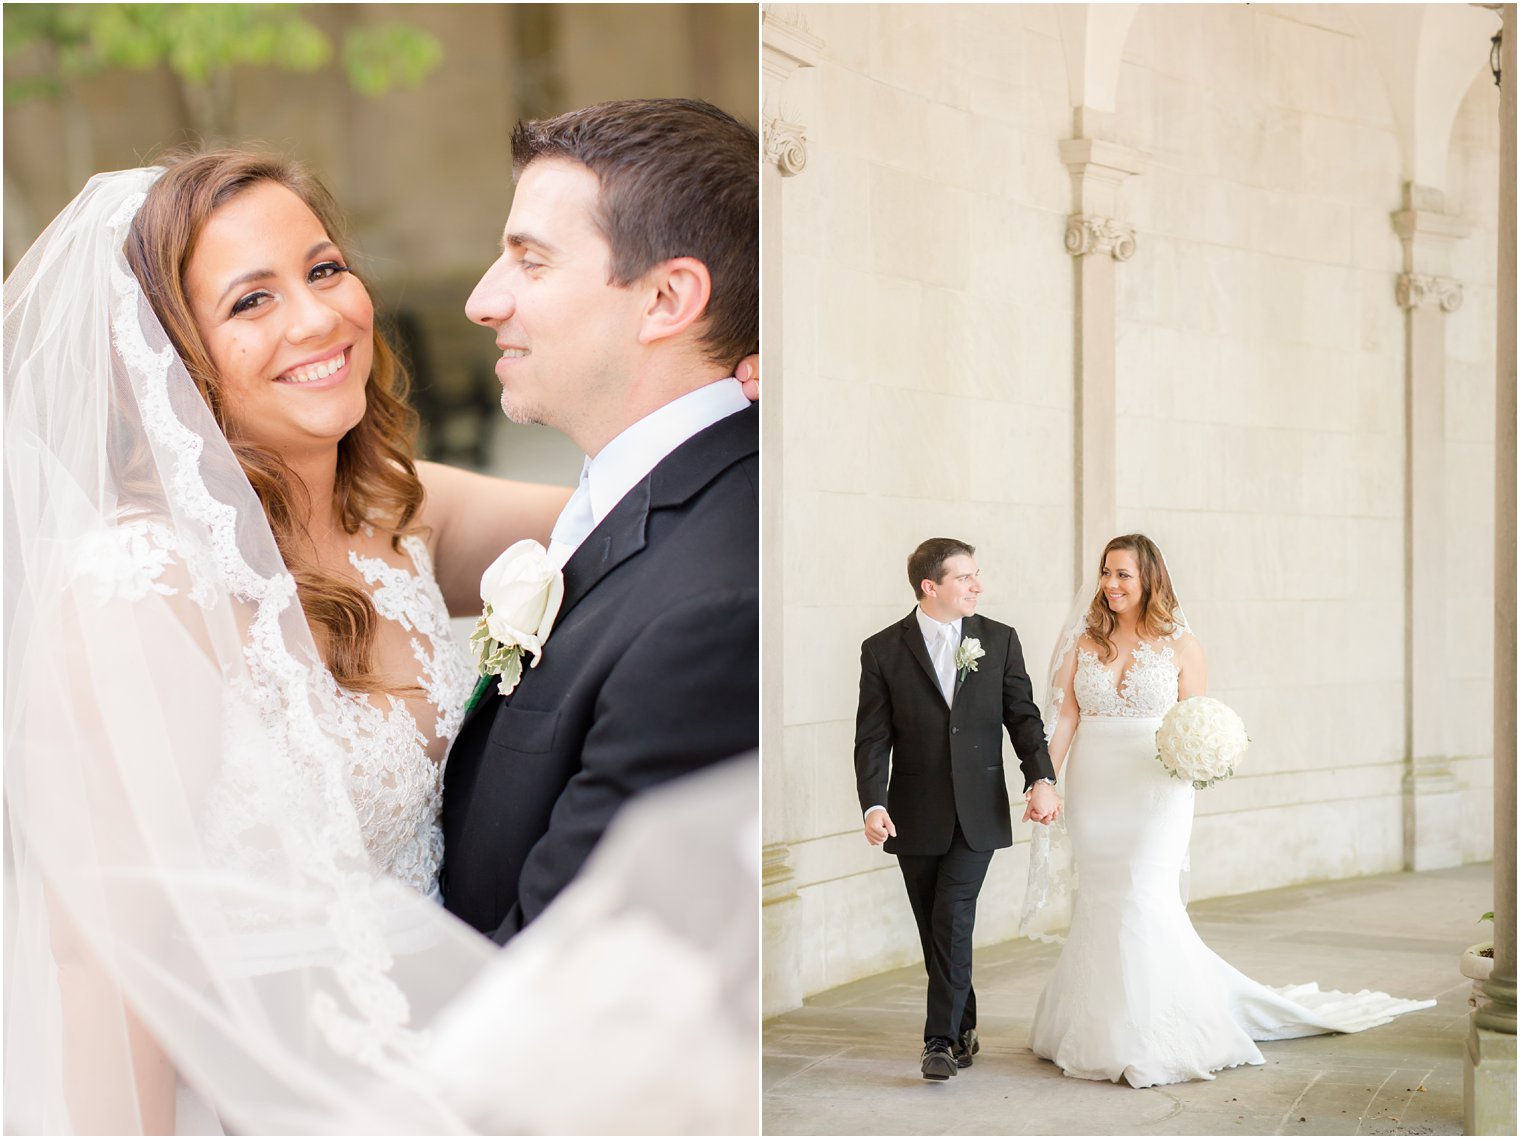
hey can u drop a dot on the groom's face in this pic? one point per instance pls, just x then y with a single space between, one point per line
955 593
565 333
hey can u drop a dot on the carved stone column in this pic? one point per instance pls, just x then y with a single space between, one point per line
1489 1071
1432 796
1099 241
786 47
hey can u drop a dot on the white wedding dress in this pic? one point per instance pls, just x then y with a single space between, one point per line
1136 995
396 779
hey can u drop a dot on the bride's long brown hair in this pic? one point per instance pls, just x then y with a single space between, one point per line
1158 603
376 482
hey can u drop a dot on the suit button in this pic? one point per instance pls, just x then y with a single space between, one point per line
955 731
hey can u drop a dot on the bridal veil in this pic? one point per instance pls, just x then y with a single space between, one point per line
184 866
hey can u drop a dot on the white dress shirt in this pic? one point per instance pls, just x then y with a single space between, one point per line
934 632
934 635
621 464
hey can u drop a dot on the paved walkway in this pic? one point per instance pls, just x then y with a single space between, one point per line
847 1062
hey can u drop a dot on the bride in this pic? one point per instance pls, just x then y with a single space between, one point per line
230 686
1135 994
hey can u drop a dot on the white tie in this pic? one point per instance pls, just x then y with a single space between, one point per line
945 663
575 522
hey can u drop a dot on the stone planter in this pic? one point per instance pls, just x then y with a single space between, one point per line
1475 966
1477 969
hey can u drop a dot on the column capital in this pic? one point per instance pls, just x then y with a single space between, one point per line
1086 233
1098 167
1427 233
1417 290
785 145
1098 157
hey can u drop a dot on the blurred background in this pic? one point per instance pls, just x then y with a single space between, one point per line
403 110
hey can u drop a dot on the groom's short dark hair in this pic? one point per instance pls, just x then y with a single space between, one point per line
928 561
679 178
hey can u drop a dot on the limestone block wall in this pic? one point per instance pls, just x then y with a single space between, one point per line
1259 407
926 312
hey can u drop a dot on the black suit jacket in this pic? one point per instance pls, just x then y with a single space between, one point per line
929 763
651 672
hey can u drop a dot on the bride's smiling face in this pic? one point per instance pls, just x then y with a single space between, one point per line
1120 582
286 323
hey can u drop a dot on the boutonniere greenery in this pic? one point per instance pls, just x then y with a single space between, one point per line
521 593
966 656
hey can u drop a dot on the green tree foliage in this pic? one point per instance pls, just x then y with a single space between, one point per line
199 44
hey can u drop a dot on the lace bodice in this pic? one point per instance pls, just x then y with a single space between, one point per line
396 741
396 779
1149 687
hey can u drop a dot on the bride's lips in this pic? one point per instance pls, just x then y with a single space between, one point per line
321 372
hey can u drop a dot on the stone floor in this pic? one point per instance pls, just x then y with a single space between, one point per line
847 1061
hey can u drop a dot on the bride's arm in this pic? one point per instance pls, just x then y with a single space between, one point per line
1192 668
116 1078
1069 715
473 518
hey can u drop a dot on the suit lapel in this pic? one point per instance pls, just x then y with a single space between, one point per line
970 627
913 637
619 537
624 532
675 480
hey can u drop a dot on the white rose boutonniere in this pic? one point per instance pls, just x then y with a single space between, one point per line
966 656
522 591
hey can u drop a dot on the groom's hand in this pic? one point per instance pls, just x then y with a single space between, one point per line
1043 805
879 827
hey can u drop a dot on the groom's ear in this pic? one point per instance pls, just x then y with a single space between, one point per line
678 292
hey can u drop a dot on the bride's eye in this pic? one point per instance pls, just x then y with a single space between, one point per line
327 270
249 302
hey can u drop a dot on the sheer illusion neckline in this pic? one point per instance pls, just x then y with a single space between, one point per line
1147 687
1121 681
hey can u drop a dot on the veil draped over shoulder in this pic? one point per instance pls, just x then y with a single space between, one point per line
185 867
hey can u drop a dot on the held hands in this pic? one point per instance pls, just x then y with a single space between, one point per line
879 827
1043 805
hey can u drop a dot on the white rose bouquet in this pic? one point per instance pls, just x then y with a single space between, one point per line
522 591
1201 740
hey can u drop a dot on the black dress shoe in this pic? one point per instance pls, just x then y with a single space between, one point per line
938 1059
966 1047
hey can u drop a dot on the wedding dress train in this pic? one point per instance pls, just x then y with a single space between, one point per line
1136 995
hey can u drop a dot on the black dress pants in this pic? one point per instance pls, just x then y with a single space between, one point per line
942 888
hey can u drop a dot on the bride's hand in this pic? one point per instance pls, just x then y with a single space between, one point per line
1043 804
748 374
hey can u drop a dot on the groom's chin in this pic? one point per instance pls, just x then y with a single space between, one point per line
518 413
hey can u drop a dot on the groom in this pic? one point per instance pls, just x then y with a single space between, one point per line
626 292
936 690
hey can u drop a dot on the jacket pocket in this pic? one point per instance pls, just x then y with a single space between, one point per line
524 730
